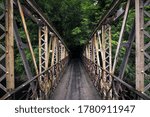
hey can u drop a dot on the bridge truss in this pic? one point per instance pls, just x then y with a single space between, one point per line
49 54
108 55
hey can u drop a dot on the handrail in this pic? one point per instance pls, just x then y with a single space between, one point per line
8 94
140 94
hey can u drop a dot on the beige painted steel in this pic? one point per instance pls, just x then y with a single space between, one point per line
121 35
43 45
139 45
53 50
9 46
103 53
27 35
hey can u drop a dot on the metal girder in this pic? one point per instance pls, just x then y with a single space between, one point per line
9 37
146 26
2 50
121 34
23 56
106 58
43 49
33 5
125 47
27 35
114 5
53 54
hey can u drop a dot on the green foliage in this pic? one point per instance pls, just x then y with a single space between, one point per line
74 19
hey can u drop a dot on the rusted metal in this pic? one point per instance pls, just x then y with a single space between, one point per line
52 52
142 95
124 48
47 71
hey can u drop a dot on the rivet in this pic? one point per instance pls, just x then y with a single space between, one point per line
141 7
7 72
142 50
142 28
142 71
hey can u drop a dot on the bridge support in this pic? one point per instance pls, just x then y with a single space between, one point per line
142 45
9 46
100 47
53 53
114 79
139 45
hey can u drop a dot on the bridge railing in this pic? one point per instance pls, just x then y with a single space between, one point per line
124 55
36 44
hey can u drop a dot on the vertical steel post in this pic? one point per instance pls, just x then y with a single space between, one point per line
43 48
9 46
139 45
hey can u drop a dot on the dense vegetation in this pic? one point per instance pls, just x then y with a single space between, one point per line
74 19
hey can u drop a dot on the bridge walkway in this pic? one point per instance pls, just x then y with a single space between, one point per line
75 84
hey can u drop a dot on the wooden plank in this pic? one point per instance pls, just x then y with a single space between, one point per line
10 83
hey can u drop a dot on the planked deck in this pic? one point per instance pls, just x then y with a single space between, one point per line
75 84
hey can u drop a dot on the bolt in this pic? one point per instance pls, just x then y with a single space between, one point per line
142 50
142 72
7 72
141 7
142 28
